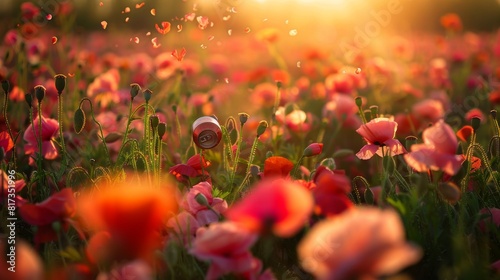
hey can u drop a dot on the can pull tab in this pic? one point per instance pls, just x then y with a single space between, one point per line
205 138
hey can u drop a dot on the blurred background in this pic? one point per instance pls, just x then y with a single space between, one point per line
415 15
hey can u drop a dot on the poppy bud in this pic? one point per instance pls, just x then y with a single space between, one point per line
28 97
60 81
313 149
206 132
450 192
262 128
359 101
5 86
493 114
410 140
162 128
154 120
201 199
374 111
243 118
475 123
134 90
279 84
40 93
147 95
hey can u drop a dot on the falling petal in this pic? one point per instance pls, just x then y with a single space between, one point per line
226 80
140 5
179 28
155 43
247 30
101 4
286 21
195 7
71 75
126 19
104 24
298 64
211 38
293 32
202 21
226 18
264 20
127 10
48 16
358 70
54 40
203 46
190 16
149 33
135 39
229 32
153 12
233 10
164 29
179 56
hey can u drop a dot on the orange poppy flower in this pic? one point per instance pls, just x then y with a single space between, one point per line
128 217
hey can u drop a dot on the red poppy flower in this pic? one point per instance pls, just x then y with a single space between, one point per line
128 217
330 193
59 207
451 22
194 167
280 205
277 166
379 134
6 142
465 132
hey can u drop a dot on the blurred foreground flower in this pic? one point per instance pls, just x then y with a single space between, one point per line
281 206
379 134
26 263
127 218
359 243
437 152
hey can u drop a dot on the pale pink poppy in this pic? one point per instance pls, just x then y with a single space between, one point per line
104 89
279 205
437 152
50 128
438 73
165 65
343 109
226 246
359 243
184 227
379 134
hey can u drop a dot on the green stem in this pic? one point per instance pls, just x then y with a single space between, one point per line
252 153
237 155
99 125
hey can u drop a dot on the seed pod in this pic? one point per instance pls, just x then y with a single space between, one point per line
60 82
40 93
5 86
79 120
134 90
206 132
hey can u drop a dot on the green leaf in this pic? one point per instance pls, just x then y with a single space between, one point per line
397 204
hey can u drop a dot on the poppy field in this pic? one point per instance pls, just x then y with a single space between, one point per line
245 140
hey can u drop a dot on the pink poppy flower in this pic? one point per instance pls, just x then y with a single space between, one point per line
137 270
184 227
202 213
226 246
357 244
279 205
165 65
429 110
379 134
264 94
50 128
437 152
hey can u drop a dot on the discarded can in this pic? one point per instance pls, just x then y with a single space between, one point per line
206 132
